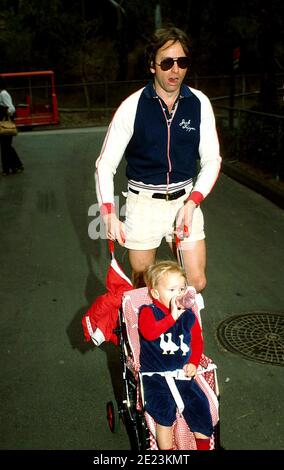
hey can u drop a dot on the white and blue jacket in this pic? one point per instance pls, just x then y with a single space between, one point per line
161 149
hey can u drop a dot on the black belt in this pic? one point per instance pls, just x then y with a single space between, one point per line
167 196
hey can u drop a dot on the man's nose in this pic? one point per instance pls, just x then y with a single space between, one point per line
175 67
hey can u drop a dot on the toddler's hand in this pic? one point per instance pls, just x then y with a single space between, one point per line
175 310
190 370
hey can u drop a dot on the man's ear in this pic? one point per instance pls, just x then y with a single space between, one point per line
152 67
154 293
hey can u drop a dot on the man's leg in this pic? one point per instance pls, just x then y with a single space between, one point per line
140 260
194 252
194 256
194 260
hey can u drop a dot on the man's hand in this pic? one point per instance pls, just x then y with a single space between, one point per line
190 370
114 228
184 219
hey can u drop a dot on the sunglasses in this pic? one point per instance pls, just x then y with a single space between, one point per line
167 64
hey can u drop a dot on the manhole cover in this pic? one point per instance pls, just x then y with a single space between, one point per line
258 336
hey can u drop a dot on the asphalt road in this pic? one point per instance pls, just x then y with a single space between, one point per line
54 387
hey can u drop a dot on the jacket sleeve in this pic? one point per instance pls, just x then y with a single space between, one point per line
149 327
196 344
117 138
7 102
210 159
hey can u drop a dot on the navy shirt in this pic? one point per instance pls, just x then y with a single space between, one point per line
171 350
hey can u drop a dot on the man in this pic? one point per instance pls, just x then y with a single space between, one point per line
162 130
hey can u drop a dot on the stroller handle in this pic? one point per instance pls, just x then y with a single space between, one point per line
179 253
111 247
177 238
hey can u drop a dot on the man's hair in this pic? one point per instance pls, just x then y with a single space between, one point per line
160 37
158 270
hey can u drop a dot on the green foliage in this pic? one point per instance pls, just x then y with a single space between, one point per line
78 35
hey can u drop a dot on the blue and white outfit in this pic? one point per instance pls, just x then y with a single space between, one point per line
169 352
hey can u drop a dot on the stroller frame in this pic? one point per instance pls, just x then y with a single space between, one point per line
126 408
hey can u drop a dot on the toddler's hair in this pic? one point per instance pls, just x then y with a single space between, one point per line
158 270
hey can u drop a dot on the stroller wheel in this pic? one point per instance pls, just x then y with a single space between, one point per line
112 416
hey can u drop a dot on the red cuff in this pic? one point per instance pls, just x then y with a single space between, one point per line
194 359
196 197
107 208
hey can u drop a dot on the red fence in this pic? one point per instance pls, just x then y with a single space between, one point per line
34 97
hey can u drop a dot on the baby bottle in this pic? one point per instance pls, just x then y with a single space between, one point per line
187 299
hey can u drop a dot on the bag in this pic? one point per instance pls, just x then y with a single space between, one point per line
8 127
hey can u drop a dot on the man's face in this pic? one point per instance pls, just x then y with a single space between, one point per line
168 81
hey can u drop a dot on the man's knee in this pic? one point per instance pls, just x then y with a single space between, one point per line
198 282
201 284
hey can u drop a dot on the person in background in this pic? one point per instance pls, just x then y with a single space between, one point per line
171 340
163 130
11 163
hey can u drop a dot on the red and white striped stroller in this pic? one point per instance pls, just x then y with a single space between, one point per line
140 425
114 317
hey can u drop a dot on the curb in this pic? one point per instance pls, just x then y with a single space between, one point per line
274 194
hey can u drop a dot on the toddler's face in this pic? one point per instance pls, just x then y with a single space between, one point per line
169 286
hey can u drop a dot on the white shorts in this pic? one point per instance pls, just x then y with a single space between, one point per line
149 220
